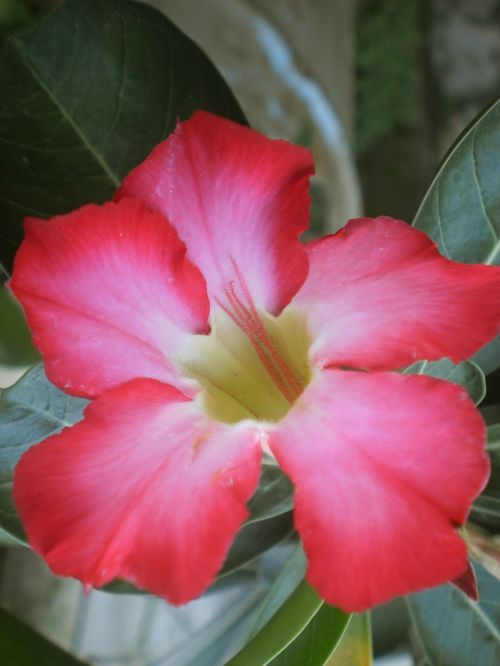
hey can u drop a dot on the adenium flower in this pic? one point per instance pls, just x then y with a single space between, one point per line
204 332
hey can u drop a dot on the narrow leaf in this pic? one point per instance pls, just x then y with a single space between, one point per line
281 630
16 347
355 647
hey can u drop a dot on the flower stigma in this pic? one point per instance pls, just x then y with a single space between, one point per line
252 365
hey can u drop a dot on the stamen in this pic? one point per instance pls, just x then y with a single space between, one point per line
247 318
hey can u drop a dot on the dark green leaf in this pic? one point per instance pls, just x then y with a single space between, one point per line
256 538
467 374
450 629
22 646
390 624
30 411
16 347
84 97
274 495
285 625
486 508
461 210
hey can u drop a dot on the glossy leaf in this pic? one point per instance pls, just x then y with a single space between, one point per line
467 374
450 629
30 410
16 347
285 625
355 647
84 97
314 646
461 209
20 645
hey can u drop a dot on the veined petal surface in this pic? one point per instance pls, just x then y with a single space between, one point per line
145 488
385 467
109 295
237 199
379 296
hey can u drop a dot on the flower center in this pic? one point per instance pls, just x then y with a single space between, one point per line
251 365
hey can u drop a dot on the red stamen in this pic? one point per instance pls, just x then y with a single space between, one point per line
247 318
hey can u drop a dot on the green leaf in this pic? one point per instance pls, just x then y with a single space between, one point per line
318 641
84 97
461 209
255 539
20 645
486 508
16 347
390 624
450 629
273 497
287 581
467 374
355 648
285 625
30 410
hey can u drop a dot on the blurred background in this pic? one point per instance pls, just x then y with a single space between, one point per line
379 90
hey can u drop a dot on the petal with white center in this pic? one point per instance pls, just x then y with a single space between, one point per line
379 296
237 199
109 295
145 488
385 468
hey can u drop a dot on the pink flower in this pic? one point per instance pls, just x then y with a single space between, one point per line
205 330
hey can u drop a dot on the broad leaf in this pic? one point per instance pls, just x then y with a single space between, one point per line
467 374
390 623
355 647
461 210
84 97
30 410
16 347
20 645
450 629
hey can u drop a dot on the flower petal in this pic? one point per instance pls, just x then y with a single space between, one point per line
109 294
385 467
237 199
379 296
144 488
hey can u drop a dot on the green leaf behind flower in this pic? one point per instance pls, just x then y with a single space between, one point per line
461 209
467 374
450 630
30 410
84 97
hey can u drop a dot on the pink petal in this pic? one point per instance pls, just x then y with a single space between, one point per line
144 488
385 467
109 295
237 199
380 296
